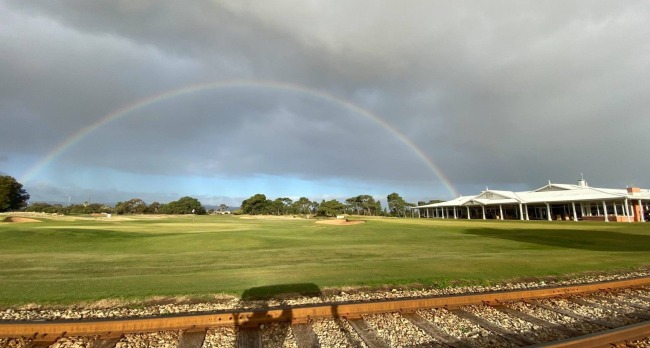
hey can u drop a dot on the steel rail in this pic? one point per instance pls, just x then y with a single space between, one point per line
608 338
43 330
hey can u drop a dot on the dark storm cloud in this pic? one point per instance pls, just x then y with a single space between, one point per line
502 93
272 134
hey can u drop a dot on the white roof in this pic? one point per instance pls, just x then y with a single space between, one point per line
452 203
551 193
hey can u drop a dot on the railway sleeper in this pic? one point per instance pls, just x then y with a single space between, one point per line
644 298
572 314
635 314
249 337
622 302
433 331
108 342
192 339
367 334
567 332
503 332
305 336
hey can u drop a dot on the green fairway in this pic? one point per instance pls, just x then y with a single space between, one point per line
86 259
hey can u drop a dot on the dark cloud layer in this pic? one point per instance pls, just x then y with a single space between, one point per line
505 93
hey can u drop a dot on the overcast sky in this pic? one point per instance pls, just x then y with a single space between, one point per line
324 99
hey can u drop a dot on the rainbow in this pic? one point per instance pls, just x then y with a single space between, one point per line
282 86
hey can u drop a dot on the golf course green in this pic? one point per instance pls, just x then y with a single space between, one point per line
66 260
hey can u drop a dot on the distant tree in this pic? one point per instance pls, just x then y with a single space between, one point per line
41 207
95 208
138 206
432 201
378 209
282 205
185 205
132 206
154 208
302 206
257 204
223 207
77 209
362 205
12 194
409 209
314 207
330 208
121 208
352 205
396 204
368 204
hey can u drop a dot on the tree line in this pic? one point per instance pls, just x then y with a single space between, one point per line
185 205
14 197
367 205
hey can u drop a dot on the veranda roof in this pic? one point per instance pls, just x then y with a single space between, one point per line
551 193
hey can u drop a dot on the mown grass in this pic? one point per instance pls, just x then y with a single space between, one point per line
63 262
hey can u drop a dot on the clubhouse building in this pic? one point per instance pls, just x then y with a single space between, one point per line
551 202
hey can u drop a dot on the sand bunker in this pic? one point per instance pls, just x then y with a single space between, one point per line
18 219
340 222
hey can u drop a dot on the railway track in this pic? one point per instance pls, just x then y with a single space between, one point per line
603 314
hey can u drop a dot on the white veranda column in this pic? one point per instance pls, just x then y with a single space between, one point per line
575 215
500 212
455 216
527 213
615 210
642 217
469 217
605 212
483 207
521 212
627 210
548 212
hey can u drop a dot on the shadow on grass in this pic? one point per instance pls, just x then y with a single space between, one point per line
280 291
572 239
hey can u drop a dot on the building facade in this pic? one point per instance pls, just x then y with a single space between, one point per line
550 202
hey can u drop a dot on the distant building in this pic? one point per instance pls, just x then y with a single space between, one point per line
550 202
